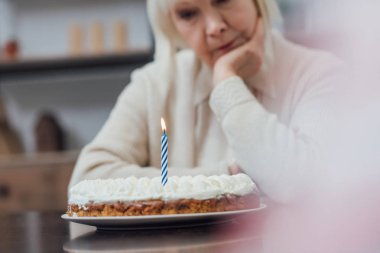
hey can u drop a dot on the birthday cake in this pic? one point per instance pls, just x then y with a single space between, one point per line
147 196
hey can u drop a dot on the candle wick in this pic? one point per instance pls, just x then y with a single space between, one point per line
165 132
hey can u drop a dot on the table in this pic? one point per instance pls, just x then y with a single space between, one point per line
32 232
47 232
311 228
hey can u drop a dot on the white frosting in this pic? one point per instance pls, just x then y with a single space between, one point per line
186 187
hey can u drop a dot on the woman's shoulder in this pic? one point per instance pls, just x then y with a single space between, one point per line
303 60
299 70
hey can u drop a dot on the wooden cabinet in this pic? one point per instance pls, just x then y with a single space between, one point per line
37 182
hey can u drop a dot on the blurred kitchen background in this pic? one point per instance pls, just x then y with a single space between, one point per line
63 64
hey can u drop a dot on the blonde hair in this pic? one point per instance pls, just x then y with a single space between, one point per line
168 41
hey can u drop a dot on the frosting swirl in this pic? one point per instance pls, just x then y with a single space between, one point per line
186 187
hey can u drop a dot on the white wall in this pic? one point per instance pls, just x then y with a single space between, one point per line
81 102
42 26
6 21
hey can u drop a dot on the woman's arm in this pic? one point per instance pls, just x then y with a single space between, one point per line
283 160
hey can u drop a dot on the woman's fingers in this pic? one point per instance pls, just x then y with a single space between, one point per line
234 169
245 60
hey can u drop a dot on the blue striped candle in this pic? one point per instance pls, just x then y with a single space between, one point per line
164 154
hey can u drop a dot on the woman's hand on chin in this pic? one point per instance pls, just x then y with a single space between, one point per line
242 61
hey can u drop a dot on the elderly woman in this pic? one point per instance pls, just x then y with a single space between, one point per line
234 94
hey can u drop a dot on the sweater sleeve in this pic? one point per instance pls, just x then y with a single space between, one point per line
121 149
282 159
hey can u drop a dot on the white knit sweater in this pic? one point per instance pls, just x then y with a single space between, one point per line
277 137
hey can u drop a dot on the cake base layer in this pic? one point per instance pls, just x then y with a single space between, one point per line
157 207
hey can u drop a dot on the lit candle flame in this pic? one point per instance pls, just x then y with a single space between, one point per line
163 125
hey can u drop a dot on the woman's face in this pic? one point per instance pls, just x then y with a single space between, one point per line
214 27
